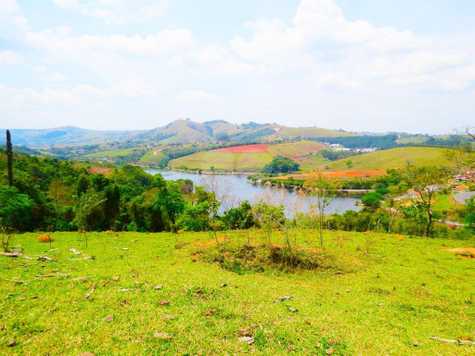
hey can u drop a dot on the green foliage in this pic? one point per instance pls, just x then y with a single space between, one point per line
372 200
281 164
15 209
469 214
200 212
239 218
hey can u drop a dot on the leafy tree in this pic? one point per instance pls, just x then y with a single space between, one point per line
240 217
90 212
15 209
469 214
425 182
169 201
200 212
372 200
281 164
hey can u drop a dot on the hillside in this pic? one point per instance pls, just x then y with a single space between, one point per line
183 131
68 136
142 293
393 158
247 158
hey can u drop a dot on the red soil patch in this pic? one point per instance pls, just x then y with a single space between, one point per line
355 173
258 148
344 174
100 170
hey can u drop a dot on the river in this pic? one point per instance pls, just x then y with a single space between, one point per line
231 190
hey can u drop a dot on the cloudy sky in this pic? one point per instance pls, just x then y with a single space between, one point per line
372 65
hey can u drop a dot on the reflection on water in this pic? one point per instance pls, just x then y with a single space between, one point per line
233 189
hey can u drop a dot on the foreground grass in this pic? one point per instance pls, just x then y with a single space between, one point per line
151 294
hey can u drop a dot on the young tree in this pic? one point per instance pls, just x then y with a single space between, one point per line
322 189
269 217
425 181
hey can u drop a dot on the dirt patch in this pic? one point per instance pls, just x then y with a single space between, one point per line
468 252
258 148
100 170
343 174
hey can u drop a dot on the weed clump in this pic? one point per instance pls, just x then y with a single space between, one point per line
258 258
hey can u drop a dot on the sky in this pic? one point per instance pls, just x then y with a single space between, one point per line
359 65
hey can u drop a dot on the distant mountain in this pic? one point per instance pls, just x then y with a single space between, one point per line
183 131
67 136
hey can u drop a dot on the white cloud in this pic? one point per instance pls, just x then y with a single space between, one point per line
319 68
9 57
117 11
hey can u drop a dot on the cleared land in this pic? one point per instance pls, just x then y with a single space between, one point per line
133 293
247 157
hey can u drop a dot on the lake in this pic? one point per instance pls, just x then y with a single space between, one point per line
231 190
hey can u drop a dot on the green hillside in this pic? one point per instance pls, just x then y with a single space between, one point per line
233 159
394 158
142 293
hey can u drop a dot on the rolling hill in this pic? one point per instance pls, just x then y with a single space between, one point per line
183 131
393 158
248 158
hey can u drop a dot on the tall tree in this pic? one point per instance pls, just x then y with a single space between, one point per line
9 158
426 181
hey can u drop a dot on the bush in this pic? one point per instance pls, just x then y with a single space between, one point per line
281 165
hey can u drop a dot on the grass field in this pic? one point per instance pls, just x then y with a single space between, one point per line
247 158
111 154
394 158
152 157
132 293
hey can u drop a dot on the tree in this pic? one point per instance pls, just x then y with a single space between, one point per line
200 212
169 201
9 158
469 217
322 189
239 217
268 217
425 181
281 164
372 200
90 212
15 209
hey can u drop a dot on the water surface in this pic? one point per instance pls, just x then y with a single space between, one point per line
231 190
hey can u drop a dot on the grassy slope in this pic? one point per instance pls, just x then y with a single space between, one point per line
400 294
152 156
111 154
245 161
395 158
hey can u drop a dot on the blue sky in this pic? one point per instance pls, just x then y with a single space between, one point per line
366 65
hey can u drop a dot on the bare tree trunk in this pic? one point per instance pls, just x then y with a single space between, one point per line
9 158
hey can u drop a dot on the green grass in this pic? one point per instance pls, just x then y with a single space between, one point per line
111 154
246 162
392 295
152 156
395 158
223 161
